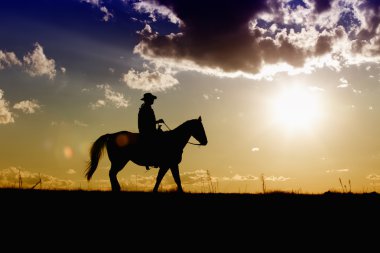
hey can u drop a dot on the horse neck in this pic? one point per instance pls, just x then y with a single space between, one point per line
183 133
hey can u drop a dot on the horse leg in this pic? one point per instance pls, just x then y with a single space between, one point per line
115 168
160 176
177 179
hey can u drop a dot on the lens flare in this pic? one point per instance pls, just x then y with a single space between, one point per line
68 152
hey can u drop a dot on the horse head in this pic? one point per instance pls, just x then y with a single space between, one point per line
199 132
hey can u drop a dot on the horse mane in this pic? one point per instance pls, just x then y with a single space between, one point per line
185 124
174 134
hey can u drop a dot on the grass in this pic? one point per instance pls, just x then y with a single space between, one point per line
191 216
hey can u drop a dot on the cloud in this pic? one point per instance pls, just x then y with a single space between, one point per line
63 70
277 179
316 89
214 94
257 39
238 177
155 10
8 59
195 180
343 83
6 116
149 80
94 2
79 123
98 104
107 15
337 171
373 177
71 172
27 106
10 178
37 64
115 98
255 149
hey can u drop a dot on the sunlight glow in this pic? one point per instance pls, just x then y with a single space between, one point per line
296 109
68 152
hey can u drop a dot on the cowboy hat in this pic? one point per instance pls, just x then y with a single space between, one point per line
148 96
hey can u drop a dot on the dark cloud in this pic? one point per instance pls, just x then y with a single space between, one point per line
371 13
215 34
322 5
227 34
323 45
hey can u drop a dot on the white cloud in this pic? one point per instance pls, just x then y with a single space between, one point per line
255 149
37 64
238 177
149 80
155 10
94 2
98 104
71 172
279 179
316 89
115 98
27 106
8 59
337 171
79 123
10 178
373 177
107 14
147 31
6 116
343 83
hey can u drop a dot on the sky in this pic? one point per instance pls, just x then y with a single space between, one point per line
288 91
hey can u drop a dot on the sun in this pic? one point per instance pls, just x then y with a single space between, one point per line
296 109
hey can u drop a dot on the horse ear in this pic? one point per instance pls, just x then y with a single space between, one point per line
200 118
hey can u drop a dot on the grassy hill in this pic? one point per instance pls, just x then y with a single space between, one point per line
213 220
218 203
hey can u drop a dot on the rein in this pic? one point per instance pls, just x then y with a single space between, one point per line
195 144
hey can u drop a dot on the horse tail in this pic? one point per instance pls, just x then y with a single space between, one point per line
95 154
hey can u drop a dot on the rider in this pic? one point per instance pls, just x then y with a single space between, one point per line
147 125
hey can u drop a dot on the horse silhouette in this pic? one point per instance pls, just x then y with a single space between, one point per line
125 146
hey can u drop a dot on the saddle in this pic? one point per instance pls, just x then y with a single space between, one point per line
152 147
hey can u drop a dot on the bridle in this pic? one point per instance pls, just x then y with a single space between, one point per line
192 143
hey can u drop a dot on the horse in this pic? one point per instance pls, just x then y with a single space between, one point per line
125 146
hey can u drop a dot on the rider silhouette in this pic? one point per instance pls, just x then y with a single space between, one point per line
147 126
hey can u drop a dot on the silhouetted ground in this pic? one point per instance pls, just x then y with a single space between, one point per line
129 216
219 203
